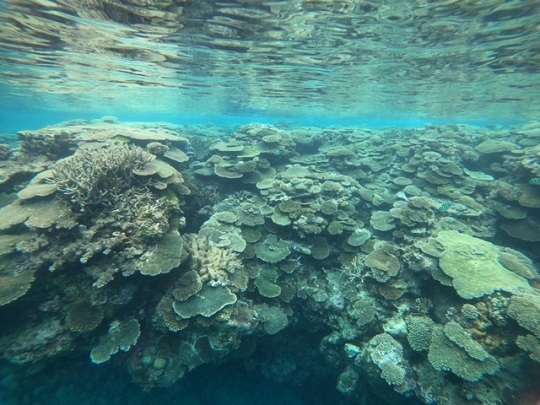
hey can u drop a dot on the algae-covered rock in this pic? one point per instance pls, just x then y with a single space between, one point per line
473 265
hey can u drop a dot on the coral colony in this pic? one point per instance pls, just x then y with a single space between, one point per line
163 251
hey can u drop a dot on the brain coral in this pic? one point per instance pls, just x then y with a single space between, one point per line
473 265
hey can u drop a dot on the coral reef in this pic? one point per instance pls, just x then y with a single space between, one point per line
412 255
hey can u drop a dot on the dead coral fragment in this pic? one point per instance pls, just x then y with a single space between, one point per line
121 336
94 179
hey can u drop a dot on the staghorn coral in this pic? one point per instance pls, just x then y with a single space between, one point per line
94 179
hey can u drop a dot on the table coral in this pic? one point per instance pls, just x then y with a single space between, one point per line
448 356
484 273
121 336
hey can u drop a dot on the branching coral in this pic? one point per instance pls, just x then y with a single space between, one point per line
94 179
212 264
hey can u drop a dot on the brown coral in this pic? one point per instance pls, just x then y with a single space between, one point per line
212 264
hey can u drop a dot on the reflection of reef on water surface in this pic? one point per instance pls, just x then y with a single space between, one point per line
163 248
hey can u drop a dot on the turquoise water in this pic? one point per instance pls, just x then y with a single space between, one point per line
390 60
269 202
